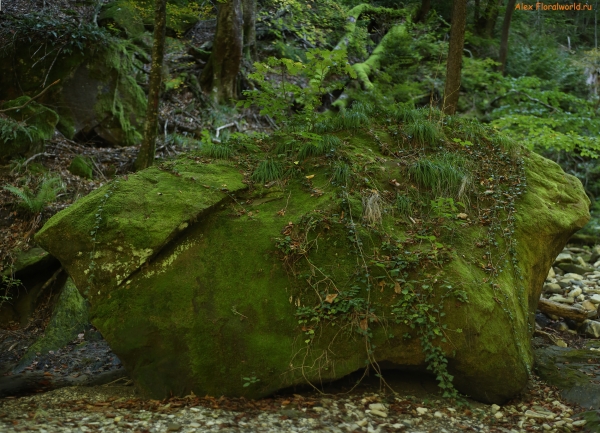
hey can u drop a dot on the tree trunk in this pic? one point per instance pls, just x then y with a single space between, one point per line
455 51
505 32
219 77
476 12
485 24
145 156
250 29
423 11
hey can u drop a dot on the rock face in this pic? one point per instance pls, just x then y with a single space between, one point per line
199 284
96 95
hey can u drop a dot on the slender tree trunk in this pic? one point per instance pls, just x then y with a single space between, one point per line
505 32
249 29
485 24
476 12
423 11
145 156
219 77
455 51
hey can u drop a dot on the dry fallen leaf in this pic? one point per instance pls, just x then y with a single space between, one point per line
364 324
462 216
329 298
310 176
397 288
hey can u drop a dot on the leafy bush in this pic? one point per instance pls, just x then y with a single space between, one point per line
279 92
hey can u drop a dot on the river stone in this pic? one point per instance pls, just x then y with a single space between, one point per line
561 299
589 306
551 274
192 295
564 258
595 298
553 288
591 328
572 276
569 370
572 268
575 292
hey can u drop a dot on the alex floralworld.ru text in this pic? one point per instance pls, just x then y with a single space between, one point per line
553 6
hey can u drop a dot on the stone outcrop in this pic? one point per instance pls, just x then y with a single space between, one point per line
200 284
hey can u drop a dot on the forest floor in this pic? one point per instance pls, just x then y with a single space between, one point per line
370 407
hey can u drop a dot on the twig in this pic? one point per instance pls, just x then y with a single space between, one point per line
271 121
31 99
35 156
98 168
223 127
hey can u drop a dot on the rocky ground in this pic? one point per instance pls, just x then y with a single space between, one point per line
367 409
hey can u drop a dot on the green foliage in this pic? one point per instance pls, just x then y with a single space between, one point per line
417 309
7 285
267 170
54 32
279 91
319 23
10 129
543 117
341 173
250 381
403 204
35 202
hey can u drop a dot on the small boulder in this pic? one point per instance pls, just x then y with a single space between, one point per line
564 258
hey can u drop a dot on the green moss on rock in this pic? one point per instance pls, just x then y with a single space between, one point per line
81 167
195 291
69 318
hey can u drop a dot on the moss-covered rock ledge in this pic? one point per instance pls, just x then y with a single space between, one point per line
396 242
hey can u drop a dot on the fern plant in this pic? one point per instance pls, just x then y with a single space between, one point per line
35 202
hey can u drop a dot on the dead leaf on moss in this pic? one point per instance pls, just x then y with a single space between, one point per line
330 298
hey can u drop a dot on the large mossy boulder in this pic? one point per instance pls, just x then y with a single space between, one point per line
95 92
375 249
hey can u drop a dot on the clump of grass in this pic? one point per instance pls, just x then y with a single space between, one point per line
352 119
423 131
341 173
217 151
442 175
35 202
326 144
267 171
403 204
472 130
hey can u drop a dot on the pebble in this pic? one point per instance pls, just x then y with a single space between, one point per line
595 299
564 258
553 288
575 292
572 276
422 410
562 299
591 328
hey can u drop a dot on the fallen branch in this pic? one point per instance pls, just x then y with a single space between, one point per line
34 157
565 311
31 99
229 125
